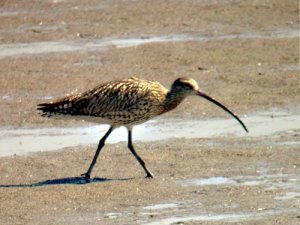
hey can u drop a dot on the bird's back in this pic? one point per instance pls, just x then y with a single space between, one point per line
129 101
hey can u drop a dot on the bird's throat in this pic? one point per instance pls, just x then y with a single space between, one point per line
173 99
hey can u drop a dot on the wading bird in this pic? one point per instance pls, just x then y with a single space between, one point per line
126 103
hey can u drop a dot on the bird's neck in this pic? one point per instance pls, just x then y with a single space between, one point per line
173 99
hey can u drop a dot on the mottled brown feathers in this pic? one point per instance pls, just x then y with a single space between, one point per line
119 102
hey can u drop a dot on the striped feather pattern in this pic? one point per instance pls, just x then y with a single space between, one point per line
129 101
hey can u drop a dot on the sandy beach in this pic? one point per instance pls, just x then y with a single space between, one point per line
207 170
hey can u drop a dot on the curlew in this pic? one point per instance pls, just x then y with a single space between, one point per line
125 103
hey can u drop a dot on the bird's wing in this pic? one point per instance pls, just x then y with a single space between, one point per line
111 97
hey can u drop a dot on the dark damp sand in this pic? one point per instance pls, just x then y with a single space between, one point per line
245 74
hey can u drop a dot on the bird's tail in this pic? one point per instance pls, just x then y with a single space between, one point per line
55 108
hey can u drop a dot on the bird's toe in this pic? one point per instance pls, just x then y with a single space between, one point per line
86 176
149 175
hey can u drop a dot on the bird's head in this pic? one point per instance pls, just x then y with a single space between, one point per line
187 86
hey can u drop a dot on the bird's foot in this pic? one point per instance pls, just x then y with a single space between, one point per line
86 176
149 175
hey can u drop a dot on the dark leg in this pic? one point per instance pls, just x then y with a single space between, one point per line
142 163
100 146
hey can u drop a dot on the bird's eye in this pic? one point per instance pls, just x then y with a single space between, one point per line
187 86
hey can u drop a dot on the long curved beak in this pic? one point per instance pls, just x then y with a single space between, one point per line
203 95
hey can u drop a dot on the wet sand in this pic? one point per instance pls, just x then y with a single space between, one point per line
245 54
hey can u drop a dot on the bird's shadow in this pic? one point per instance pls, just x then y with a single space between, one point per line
67 180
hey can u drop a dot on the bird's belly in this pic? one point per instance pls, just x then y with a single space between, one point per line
126 120
113 118
120 121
